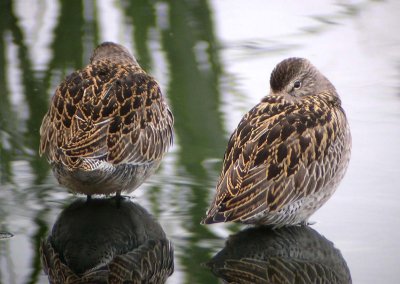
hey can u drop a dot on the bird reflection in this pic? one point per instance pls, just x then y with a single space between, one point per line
106 241
296 254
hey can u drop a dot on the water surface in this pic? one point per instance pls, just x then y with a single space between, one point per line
213 60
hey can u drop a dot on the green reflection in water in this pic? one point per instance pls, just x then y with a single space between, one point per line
67 46
142 16
195 97
7 117
9 135
193 91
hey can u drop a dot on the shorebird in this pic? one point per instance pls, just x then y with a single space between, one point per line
288 154
108 125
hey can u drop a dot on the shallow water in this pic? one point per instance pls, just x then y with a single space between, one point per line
213 60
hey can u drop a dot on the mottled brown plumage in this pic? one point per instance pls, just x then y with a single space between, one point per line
106 241
288 153
108 125
296 254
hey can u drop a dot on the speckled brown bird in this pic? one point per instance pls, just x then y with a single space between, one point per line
287 155
108 125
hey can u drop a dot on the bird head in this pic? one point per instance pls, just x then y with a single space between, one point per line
297 78
114 52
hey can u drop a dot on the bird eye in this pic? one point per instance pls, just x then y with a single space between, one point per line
297 84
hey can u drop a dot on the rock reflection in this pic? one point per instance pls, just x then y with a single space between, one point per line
106 241
287 255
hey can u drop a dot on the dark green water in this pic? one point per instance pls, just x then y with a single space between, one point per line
213 60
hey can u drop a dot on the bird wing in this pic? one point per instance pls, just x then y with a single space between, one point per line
151 262
118 116
275 151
